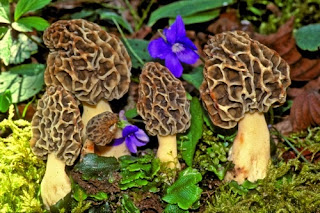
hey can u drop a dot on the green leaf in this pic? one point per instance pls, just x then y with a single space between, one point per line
174 208
307 37
95 167
194 133
82 14
79 193
5 47
3 31
5 101
141 48
199 17
128 204
24 81
22 49
25 6
131 113
4 11
100 196
195 77
185 8
63 204
107 15
28 23
184 191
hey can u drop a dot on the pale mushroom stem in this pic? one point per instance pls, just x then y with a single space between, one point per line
167 150
90 111
55 184
250 151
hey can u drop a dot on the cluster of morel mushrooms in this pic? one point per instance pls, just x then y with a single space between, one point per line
88 66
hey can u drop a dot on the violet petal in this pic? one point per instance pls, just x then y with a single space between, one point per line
130 129
187 56
173 64
187 42
130 142
141 136
118 141
158 48
175 31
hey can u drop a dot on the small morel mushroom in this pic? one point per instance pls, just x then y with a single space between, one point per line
56 128
102 128
88 62
164 107
242 79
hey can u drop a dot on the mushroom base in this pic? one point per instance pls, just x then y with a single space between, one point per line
250 152
167 151
55 184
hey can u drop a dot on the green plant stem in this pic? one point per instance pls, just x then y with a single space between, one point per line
17 111
132 11
144 15
127 43
27 106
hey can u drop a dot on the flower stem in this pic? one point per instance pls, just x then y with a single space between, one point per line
127 43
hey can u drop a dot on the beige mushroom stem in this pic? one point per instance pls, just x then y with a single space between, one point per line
55 184
167 150
250 152
90 111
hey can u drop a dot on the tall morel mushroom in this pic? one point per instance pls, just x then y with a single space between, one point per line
242 79
88 62
56 128
164 107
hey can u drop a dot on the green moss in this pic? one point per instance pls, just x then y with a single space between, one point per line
20 171
292 186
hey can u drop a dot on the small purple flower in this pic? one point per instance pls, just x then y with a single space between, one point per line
177 47
133 136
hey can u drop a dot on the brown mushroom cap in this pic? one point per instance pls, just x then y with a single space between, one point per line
162 102
241 75
57 126
102 128
86 61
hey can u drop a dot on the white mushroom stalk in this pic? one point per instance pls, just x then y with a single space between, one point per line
167 151
250 151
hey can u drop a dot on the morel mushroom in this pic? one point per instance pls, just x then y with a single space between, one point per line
242 79
56 128
164 107
88 62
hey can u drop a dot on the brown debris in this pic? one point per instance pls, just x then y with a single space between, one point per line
149 203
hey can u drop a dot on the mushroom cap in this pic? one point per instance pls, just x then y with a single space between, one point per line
57 126
241 75
102 128
87 61
162 101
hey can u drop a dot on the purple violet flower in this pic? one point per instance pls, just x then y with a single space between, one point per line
177 47
131 134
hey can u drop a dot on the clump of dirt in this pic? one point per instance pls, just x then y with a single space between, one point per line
149 203
93 186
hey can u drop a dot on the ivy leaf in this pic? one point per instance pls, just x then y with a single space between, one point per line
24 81
22 49
95 167
5 101
194 133
185 8
5 46
27 24
107 15
174 208
184 191
141 48
4 11
307 37
25 6
195 77
128 204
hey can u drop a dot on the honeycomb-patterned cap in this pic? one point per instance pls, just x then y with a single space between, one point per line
102 128
162 102
57 126
87 61
241 75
